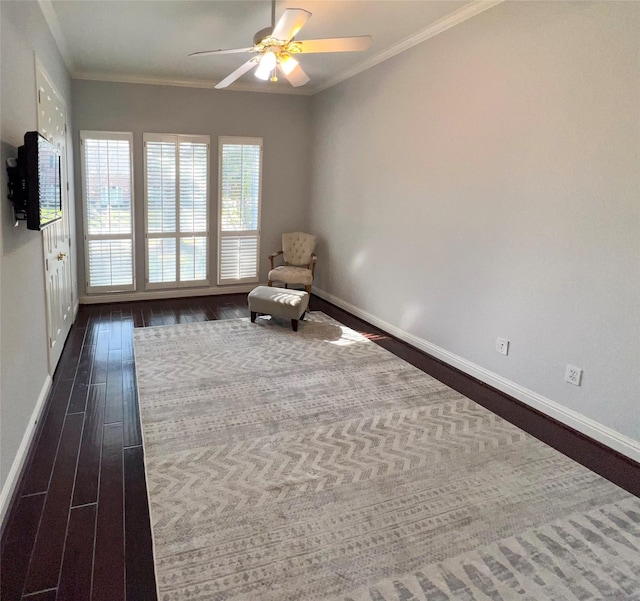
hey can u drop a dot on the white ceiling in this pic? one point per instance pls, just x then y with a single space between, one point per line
149 40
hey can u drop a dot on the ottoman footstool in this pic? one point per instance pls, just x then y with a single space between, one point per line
279 302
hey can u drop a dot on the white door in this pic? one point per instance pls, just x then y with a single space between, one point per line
52 124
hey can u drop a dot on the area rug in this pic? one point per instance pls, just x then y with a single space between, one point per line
316 465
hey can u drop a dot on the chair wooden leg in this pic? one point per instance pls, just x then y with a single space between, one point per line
253 316
294 325
308 289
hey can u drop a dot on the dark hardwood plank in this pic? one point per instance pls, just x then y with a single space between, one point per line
39 471
88 471
199 314
145 313
138 320
47 552
93 327
169 316
49 595
82 318
113 403
242 311
159 314
166 318
127 325
108 566
207 308
80 390
101 354
141 584
77 564
115 336
86 313
184 315
68 363
227 312
78 401
18 544
190 310
131 417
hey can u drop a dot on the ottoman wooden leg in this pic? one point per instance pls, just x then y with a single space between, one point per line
253 316
294 325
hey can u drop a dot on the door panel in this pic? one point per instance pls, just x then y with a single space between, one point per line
60 300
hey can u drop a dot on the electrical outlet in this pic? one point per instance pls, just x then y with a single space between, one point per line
573 375
502 346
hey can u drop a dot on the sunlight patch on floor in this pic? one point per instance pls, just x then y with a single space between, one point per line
348 337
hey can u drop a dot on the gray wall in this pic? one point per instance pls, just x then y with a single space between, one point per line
484 184
283 122
23 337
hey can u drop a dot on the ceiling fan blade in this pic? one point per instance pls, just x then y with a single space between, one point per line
228 51
290 23
354 44
239 72
297 77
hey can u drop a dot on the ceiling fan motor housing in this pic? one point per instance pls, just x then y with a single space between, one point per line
260 35
275 48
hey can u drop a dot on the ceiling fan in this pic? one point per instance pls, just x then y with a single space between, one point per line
275 48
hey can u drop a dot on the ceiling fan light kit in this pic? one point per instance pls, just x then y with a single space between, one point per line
276 44
268 63
287 63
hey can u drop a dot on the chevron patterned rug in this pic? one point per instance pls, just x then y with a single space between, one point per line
316 465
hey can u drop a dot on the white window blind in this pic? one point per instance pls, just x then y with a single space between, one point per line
177 210
107 188
239 200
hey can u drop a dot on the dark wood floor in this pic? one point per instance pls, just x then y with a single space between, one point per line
79 524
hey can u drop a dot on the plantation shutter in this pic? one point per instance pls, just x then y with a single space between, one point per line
239 209
177 210
107 188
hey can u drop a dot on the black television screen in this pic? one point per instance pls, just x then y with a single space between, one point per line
41 163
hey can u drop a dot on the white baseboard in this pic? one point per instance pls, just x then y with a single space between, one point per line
607 436
125 297
23 450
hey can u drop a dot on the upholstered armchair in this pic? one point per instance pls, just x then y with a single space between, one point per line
299 261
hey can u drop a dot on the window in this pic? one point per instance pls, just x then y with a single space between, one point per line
107 188
239 202
177 210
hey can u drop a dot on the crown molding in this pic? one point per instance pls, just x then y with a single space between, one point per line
249 87
458 16
461 15
185 83
49 13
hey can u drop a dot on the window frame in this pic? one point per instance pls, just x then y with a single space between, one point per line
239 140
177 235
107 135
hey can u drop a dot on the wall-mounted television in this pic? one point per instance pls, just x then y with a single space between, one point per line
35 187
